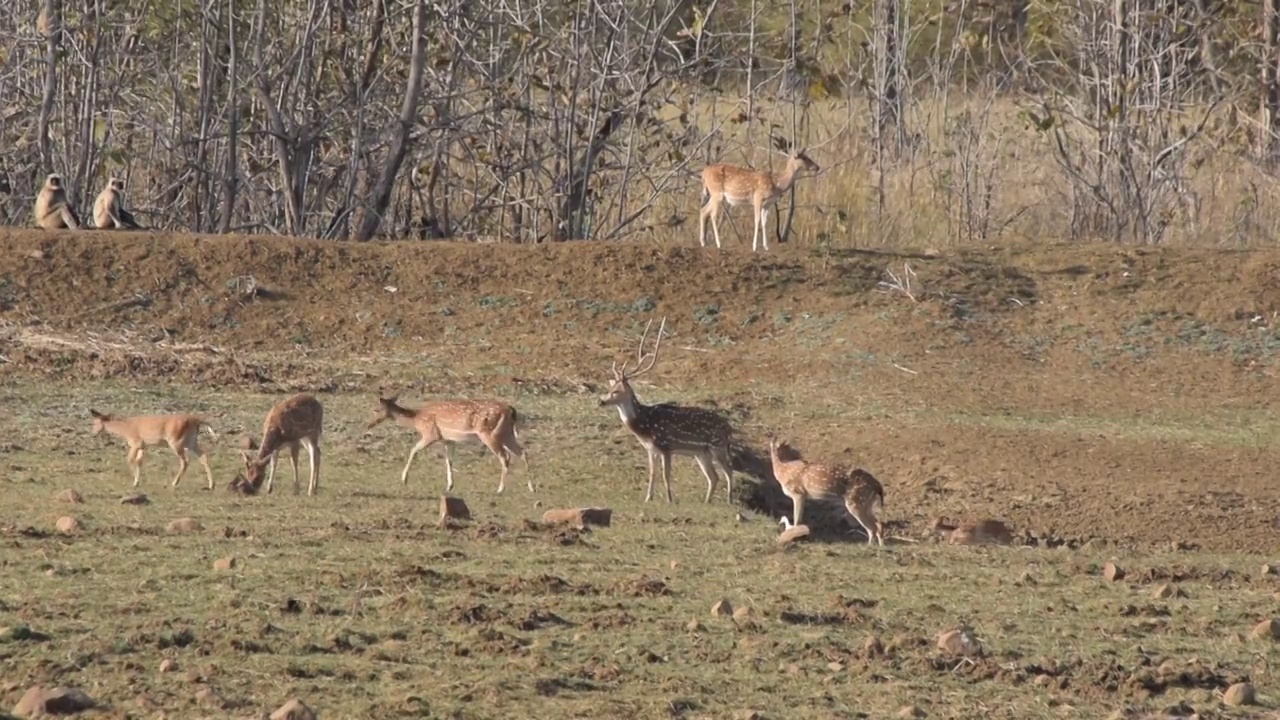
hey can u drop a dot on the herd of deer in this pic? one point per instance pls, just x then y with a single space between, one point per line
664 430
721 183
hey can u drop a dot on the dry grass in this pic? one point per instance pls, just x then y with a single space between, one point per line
979 172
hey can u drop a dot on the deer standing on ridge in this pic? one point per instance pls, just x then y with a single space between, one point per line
739 185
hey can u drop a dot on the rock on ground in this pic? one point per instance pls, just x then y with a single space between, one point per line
579 517
295 709
183 525
68 525
454 508
38 702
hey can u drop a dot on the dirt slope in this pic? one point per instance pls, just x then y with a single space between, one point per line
1062 376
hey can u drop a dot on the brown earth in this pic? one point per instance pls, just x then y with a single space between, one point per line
1092 390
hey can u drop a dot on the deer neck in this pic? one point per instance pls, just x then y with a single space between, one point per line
783 182
271 442
630 408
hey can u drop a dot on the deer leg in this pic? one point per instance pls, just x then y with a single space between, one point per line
666 475
271 472
797 509
181 452
711 209
715 224
708 470
194 446
755 225
293 460
764 228
496 447
726 462
313 454
866 517
648 495
135 463
515 448
448 468
417 448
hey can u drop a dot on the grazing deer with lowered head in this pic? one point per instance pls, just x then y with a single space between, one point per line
180 431
297 420
670 429
451 421
801 480
740 185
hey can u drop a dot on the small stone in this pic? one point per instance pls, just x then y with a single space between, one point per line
68 525
38 702
295 709
134 498
183 525
722 609
224 563
210 698
792 534
1025 580
742 614
1112 572
835 666
911 711
1266 630
675 564
454 508
693 626
1268 569
1166 591
1240 694
168 665
70 496
959 642
740 517
579 517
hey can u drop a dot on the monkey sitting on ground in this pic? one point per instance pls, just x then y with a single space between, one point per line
108 209
52 211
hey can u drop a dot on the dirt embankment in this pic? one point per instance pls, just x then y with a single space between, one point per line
246 310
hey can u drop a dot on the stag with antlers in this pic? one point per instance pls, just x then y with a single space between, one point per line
740 185
670 429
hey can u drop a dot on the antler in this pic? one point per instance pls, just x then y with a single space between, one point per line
641 356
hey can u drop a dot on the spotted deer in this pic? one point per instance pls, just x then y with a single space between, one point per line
802 480
491 422
181 432
669 429
741 185
293 422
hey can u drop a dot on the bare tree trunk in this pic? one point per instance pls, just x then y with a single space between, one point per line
1270 140
50 23
230 179
408 118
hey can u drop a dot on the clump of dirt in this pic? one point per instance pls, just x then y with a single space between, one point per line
547 585
643 586
475 614
538 619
